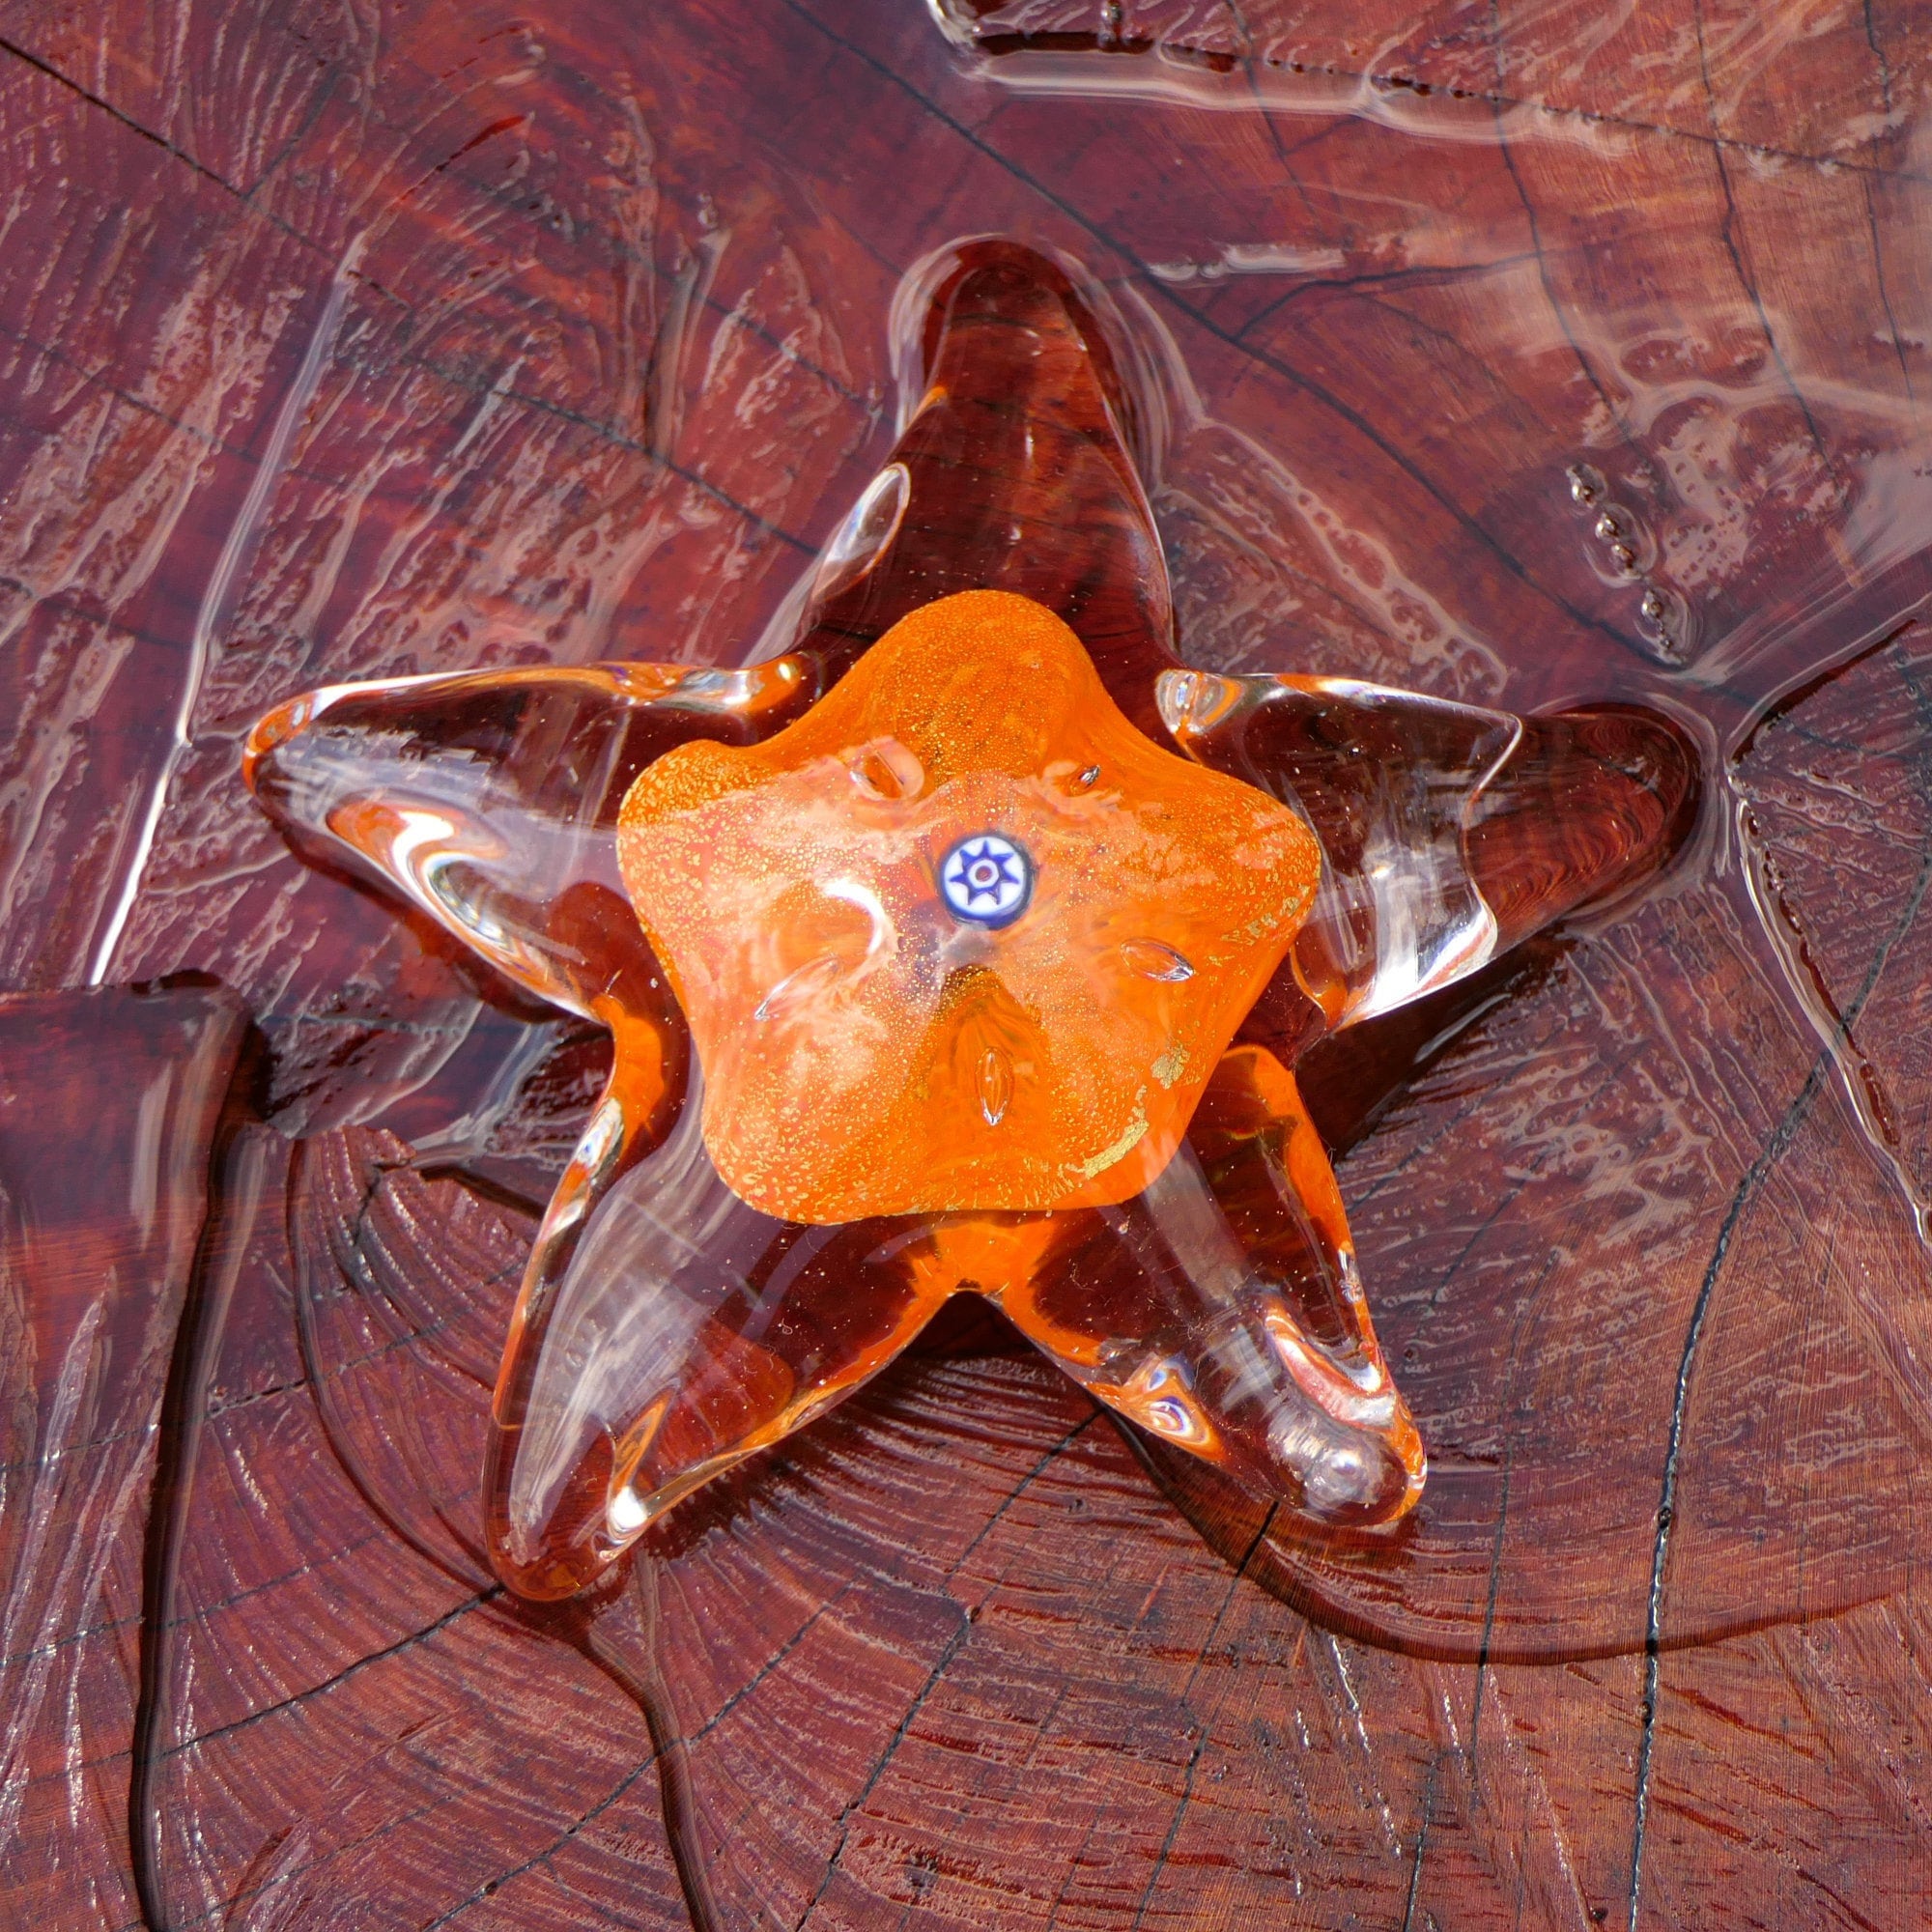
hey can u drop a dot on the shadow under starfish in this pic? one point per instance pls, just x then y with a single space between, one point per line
987 989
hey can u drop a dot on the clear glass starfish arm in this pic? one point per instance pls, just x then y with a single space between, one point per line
490 798
664 1332
1448 832
1013 471
1222 1311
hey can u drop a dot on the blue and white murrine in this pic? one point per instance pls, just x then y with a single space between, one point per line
987 879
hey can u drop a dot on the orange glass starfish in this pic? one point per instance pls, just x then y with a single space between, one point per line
930 967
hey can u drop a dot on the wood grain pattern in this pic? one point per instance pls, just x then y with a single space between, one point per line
394 336
110 1104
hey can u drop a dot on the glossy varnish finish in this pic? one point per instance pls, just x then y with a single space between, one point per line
551 345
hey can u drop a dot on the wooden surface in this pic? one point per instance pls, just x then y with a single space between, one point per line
374 338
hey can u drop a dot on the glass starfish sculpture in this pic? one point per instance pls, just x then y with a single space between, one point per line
963 940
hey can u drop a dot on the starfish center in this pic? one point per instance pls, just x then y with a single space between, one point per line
986 879
963 937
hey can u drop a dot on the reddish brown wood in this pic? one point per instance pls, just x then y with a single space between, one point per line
341 341
109 1108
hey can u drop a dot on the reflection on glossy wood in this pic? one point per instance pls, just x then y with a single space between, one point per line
342 351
